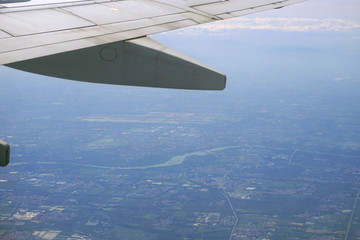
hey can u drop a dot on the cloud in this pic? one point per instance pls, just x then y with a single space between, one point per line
277 24
340 79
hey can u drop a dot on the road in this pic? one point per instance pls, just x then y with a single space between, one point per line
351 217
233 210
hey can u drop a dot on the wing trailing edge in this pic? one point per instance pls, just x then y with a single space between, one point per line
139 62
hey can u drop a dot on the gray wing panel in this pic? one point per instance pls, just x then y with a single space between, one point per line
87 40
38 28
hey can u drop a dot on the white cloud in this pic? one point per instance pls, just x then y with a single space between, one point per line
277 24
340 79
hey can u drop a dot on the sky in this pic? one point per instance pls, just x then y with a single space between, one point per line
321 37
310 22
308 16
312 18
316 39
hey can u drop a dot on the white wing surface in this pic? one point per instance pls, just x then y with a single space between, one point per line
105 41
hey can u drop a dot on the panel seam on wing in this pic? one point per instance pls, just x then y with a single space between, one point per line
191 9
95 36
10 35
47 6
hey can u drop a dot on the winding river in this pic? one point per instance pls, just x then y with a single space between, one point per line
176 160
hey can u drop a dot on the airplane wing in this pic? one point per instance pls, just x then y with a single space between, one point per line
105 41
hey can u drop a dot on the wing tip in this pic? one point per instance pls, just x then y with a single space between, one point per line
222 83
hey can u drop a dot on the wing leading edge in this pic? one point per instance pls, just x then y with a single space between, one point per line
78 36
